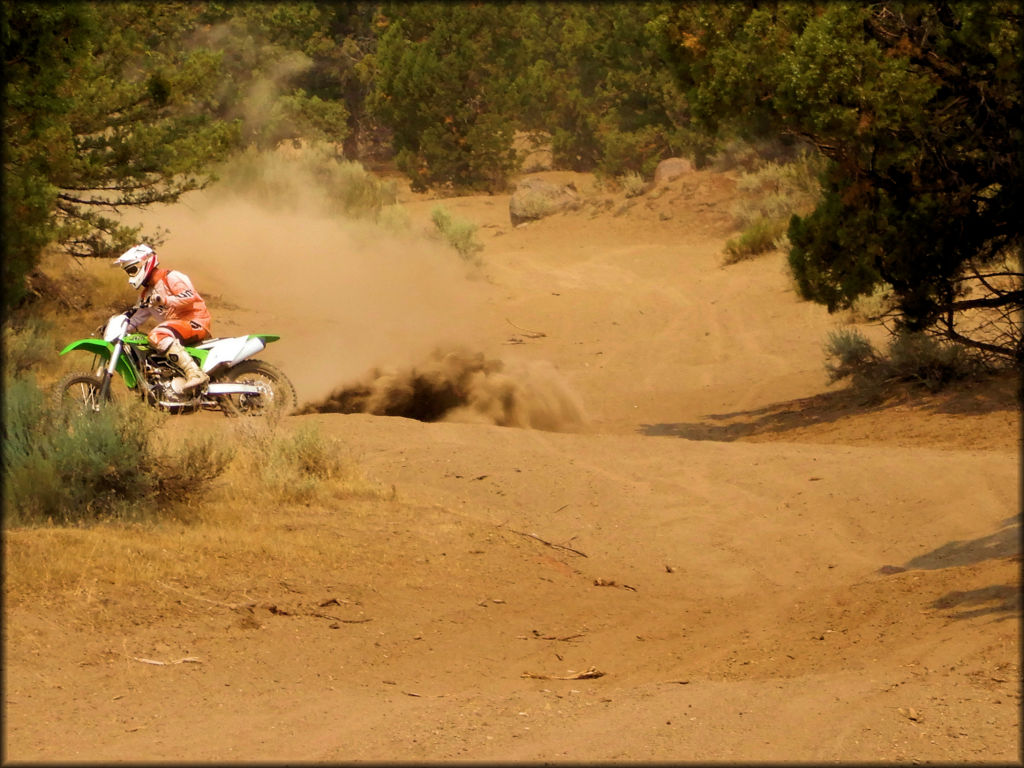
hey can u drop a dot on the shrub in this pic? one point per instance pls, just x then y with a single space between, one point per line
632 184
776 190
184 472
459 234
848 353
29 346
872 307
297 467
760 237
771 192
910 357
67 467
620 152
393 218
921 359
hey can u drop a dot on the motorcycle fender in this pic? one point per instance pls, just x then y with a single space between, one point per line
105 349
232 351
231 388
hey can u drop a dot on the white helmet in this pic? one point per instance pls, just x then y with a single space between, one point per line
138 262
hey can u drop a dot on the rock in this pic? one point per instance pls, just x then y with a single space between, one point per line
671 168
536 198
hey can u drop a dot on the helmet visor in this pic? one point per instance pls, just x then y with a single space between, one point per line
133 269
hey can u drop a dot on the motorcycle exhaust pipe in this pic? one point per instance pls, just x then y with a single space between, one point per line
230 388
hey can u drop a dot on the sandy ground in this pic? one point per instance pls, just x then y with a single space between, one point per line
707 553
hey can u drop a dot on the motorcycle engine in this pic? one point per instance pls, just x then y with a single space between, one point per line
167 380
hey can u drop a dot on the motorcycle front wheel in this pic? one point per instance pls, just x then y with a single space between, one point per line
276 396
79 391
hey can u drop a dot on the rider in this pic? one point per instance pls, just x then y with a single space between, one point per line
168 295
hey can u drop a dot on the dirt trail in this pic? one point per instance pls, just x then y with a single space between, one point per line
724 559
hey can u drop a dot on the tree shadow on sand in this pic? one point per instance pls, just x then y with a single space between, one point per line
778 417
1003 599
1003 543
1000 392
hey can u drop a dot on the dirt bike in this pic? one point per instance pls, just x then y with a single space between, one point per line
238 384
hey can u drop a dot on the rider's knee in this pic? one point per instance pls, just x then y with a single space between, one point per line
161 339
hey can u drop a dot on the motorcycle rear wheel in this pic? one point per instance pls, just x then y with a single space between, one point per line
277 395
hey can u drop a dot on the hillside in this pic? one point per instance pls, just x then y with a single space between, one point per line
684 545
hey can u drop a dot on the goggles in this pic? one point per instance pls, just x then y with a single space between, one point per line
132 269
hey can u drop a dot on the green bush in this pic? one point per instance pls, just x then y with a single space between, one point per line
910 357
71 468
458 233
28 347
632 184
771 191
621 151
919 358
760 237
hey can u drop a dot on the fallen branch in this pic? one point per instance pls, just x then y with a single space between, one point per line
587 674
548 543
335 601
187 659
529 334
611 583
539 636
336 618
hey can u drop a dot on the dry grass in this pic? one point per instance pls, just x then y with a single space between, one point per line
278 508
240 536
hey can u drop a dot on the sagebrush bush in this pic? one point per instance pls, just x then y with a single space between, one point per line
919 358
187 469
72 468
760 237
872 307
68 467
909 357
777 190
632 184
28 346
848 353
458 233
296 467
771 192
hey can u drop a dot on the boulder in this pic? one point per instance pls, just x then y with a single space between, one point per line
537 198
671 168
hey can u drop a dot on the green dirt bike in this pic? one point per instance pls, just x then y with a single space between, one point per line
238 384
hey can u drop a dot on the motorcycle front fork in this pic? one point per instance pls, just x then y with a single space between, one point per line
108 372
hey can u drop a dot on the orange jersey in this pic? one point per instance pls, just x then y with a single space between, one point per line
183 307
181 300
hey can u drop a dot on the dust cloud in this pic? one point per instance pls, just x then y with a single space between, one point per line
462 386
362 309
345 295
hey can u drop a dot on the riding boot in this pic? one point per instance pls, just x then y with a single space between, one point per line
194 377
